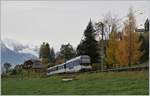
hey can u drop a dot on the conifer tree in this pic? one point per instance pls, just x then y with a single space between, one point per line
41 50
44 53
47 51
89 46
144 38
52 55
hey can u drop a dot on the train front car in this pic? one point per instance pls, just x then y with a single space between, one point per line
80 63
85 62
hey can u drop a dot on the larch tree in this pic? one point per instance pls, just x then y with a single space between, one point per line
111 48
121 54
128 48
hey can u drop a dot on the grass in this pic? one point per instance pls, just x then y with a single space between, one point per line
110 83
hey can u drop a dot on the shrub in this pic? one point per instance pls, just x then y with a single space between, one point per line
13 72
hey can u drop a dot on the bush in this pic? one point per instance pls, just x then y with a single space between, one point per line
96 66
13 72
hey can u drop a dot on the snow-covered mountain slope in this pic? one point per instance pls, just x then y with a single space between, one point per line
16 53
18 47
13 44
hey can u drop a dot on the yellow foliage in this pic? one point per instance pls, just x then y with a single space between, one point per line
111 50
119 51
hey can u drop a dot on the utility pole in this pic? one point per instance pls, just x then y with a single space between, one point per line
129 57
102 47
102 65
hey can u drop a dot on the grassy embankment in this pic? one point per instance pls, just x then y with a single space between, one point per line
86 83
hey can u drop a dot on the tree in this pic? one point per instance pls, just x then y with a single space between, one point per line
121 55
144 38
112 48
44 50
52 56
41 50
106 29
89 46
47 51
59 58
67 51
44 53
128 48
7 66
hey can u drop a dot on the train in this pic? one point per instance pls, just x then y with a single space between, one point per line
77 64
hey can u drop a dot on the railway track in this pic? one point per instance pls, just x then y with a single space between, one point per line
139 68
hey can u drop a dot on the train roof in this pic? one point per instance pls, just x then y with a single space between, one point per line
56 66
76 58
79 57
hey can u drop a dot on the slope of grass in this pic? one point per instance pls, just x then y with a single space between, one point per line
86 83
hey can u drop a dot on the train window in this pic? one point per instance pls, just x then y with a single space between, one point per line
71 65
85 61
55 68
50 70
76 63
67 65
60 67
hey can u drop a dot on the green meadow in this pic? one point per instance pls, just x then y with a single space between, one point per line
89 83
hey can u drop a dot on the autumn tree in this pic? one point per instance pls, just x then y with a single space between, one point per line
128 49
111 48
106 29
121 54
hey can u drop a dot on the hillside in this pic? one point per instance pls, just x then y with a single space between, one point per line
135 82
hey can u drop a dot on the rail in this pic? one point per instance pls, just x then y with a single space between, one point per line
138 68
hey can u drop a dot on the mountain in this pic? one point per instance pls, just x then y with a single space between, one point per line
13 44
10 56
16 53
18 47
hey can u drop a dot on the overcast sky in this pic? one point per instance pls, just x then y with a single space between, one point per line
59 22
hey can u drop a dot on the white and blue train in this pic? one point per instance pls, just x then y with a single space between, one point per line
77 64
